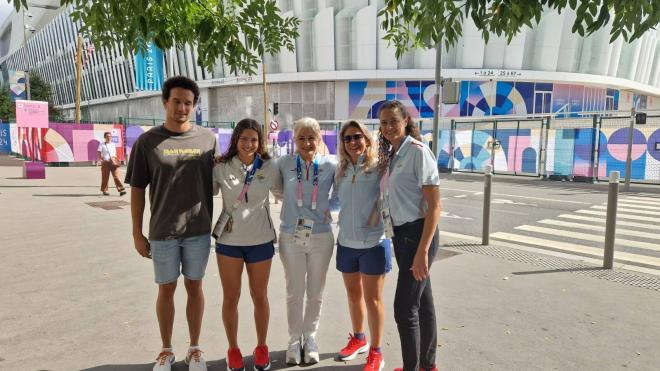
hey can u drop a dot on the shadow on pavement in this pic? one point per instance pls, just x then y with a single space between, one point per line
69 195
583 269
276 360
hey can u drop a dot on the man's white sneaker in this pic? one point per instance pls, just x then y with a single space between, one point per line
311 351
195 360
164 361
293 352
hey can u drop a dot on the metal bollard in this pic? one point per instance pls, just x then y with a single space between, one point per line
488 182
610 224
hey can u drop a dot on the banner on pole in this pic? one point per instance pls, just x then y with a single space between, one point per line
149 68
17 89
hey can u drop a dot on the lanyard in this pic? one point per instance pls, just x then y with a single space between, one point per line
315 182
385 180
248 180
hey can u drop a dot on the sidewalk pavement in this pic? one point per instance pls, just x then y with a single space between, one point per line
75 295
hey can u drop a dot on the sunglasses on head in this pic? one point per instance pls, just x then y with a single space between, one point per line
355 137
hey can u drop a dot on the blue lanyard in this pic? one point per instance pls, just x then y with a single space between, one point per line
248 180
315 182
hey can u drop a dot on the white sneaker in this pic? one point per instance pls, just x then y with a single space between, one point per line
311 351
164 361
195 360
293 352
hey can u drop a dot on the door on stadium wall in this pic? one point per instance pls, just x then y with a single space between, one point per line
516 147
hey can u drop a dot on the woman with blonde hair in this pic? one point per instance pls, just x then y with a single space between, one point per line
306 239
363 253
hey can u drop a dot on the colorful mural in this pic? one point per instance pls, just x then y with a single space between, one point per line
62 142
570 152
482 98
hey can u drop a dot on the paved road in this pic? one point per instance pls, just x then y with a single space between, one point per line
74 295
563 217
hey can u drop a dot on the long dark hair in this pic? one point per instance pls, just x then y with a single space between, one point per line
411 129
242 125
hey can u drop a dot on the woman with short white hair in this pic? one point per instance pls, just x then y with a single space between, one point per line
306 239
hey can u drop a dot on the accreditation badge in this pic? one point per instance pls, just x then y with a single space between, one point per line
302 235
221 225
387 222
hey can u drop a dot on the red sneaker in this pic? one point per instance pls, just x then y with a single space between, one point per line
354 347
375 361
235 360
434 368
261 358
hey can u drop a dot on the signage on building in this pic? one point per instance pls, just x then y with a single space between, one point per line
149 68
497 73
5 139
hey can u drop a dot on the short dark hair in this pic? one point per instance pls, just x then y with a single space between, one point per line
180 82
107 133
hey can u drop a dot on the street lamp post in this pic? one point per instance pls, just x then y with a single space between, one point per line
27 55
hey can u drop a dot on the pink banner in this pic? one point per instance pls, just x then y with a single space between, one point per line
31 114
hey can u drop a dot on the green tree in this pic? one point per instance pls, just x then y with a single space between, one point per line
41 90
411 24
420 23
7 107
236 32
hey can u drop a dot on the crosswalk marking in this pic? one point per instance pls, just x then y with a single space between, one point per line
645 199
598 228
634 211
639 206
640 202
566 246
624 216
589 237
602 220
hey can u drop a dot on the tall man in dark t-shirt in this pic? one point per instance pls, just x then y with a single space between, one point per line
176 161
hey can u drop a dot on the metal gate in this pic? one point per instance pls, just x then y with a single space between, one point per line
508 146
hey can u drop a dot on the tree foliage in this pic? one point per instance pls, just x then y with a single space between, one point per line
422 23
7 107
41 90
236 32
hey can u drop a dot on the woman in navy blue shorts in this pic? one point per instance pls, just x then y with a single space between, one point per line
244 234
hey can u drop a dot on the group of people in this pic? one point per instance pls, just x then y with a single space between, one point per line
385 189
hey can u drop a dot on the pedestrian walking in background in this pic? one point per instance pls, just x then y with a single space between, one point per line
107 154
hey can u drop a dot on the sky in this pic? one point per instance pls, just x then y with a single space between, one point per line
5 9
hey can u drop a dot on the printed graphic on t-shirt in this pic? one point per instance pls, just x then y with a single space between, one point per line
185 152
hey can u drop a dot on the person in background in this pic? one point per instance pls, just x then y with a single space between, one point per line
107 154
411 211
363 254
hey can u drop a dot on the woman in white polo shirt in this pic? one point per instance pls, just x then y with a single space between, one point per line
412 201
363 254
245 234
107 154
306 239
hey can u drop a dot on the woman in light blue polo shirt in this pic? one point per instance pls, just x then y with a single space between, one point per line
306 239
412 200
363 255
